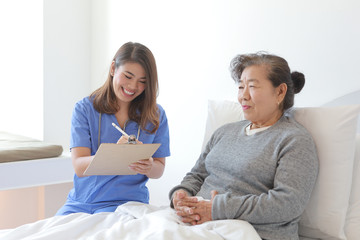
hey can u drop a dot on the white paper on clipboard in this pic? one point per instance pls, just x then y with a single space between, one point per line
114 159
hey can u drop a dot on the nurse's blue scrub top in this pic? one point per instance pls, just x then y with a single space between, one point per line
119 188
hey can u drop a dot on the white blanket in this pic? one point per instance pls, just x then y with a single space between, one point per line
130 221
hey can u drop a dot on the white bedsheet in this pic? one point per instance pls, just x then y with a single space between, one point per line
130 221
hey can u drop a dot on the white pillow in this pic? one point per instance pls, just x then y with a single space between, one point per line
333 130
219 113
352 223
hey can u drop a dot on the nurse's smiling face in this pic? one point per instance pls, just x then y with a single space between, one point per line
258 97
129 81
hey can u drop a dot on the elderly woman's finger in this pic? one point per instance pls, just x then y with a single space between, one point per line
184 211
189 202
189 220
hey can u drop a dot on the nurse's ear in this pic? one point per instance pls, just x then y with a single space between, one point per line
112 68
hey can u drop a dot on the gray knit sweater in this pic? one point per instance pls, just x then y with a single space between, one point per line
265 179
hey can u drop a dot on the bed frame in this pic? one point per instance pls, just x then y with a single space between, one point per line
33 173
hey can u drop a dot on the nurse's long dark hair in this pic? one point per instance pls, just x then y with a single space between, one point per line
143 109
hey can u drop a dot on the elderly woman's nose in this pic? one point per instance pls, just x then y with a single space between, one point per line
244 94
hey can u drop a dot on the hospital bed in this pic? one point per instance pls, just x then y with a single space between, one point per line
333 212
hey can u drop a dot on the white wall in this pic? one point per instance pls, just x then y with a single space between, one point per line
194 41
45 65
21 67
67 43
45 68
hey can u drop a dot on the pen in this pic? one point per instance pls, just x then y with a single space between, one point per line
120 130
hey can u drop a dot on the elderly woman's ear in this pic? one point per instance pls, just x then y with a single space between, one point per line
281 92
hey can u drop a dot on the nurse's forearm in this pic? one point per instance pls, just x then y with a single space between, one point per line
81 165
81 158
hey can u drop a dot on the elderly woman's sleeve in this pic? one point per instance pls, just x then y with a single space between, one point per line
293 183
194 179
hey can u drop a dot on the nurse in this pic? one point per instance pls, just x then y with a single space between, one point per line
127 98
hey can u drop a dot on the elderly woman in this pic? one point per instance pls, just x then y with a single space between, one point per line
262 169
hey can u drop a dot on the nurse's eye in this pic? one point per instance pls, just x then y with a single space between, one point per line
127 76
241 87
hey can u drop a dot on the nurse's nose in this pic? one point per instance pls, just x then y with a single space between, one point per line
132 84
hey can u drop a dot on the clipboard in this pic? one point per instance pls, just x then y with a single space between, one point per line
114 159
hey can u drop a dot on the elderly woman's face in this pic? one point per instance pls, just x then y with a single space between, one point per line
258 98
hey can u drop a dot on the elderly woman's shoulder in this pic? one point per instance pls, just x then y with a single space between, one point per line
291 126
232 126
237 124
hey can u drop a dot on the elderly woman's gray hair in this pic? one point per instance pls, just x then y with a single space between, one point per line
278 73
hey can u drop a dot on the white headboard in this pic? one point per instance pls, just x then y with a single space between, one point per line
348 99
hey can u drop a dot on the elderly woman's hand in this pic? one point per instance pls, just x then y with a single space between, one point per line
178 196
180 200
194 211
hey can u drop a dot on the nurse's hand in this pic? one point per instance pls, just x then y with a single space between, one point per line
124 140
152 167
143 166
